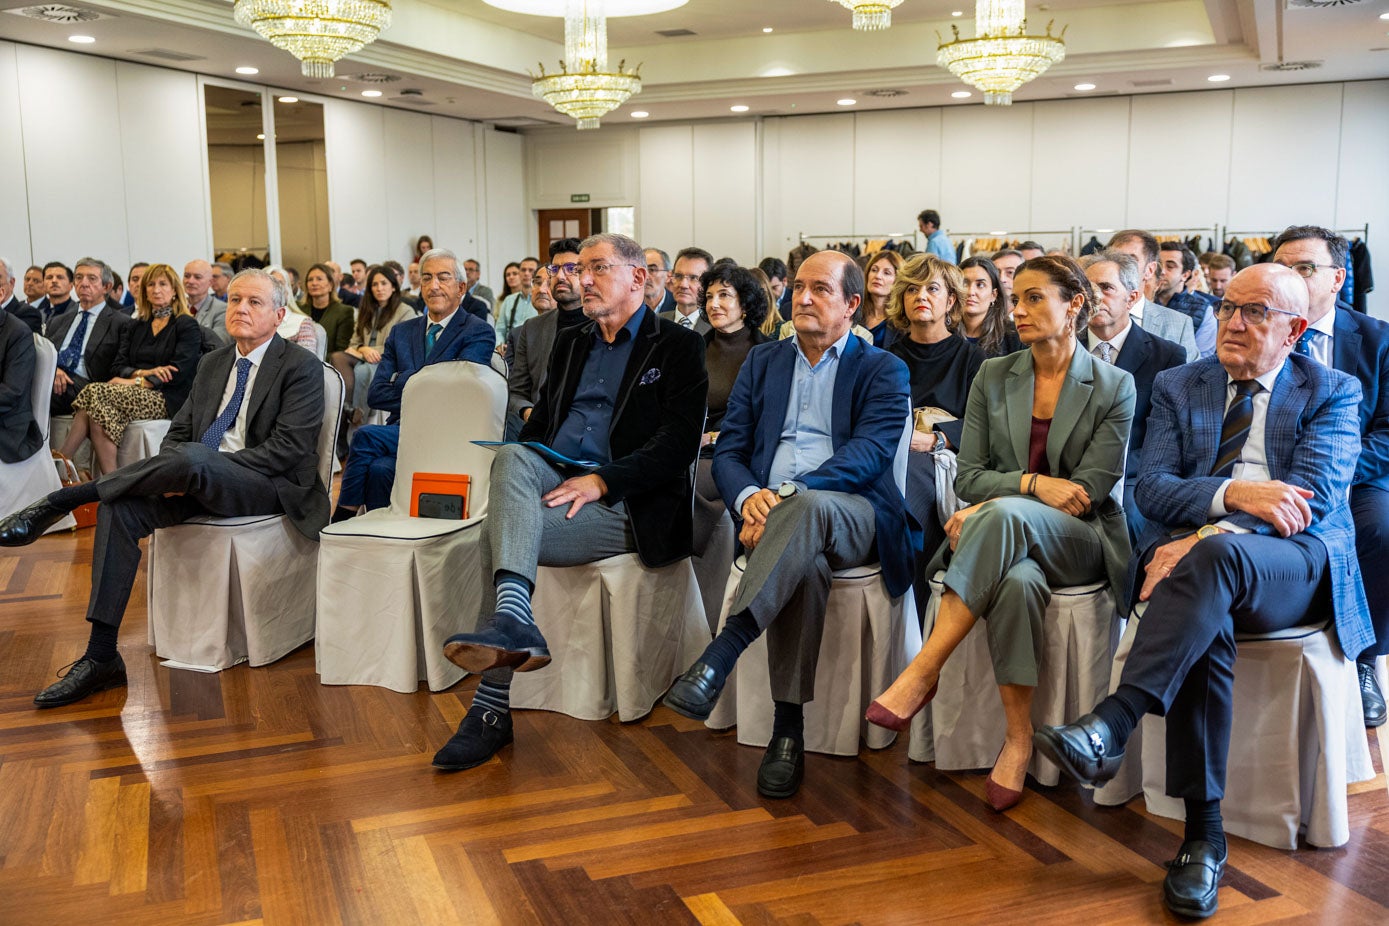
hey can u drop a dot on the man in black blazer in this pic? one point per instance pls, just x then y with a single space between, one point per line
12 304
245 443
532 343
657 298
20 436
57 286
626 392
88 339
688 292
1118 283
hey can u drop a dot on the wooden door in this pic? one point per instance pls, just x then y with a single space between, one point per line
562 223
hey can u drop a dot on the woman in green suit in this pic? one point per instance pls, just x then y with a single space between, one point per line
1042 451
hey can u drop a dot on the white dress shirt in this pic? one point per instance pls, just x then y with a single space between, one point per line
235 438
689 321
1117 343
95 311
1252 464
1321 348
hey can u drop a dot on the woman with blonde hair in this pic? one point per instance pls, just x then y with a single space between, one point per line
296 326
879 274
154 368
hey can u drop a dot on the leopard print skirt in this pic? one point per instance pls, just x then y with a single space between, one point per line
113 406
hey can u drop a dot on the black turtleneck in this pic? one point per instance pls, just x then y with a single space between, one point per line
568 318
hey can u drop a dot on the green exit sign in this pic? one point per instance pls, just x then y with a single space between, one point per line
578 197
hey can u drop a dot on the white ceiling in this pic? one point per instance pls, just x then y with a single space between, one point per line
471 60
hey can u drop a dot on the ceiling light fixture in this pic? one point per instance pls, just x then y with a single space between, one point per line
957 12
289 99
584 88
260 137
1218 78
248 71
1384 15
81 39
639 114
766 30
870 15
1002 56
372 94
962 94
740 108
317 32
846 102
1084 87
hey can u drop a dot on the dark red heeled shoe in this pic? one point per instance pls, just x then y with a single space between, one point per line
999 797
882 717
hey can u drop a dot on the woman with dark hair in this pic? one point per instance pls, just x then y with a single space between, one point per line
423 245
879 273
321 304
382 307
1041 453
511 281
983 316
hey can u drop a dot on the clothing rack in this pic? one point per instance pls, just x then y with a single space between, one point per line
1361 231
854 237
1067 235
1211 231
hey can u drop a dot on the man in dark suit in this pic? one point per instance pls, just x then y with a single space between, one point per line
627 392
88 339
1156 319
656 297
1353 343
57 285
1248 461
1114 338
804 462
245 443
690 265
12 304
533 341
445 333
20 436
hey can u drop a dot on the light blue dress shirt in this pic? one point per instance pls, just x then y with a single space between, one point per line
938 243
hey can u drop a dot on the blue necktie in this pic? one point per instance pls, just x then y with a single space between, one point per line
212 437
1304 343
1234 430
431 336
72 354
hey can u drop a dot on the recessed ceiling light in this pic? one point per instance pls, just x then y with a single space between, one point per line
260 137
1085 86
766 29
81 39
289 99
846 102
371 93
957 12
1218 78
962 94
1384 15
248 71
640 114
740 108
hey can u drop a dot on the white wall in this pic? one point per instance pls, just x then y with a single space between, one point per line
1252 159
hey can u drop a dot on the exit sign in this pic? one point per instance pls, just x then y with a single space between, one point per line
578 197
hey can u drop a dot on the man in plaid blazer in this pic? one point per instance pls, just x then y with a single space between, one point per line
1246 471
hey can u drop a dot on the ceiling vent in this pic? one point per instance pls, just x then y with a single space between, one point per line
1291 66
373 77
1318 4
59 13
167 54
412 91
675 33
886 93
1163 82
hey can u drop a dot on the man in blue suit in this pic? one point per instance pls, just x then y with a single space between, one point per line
444 333
1248 460
804 462
1357 344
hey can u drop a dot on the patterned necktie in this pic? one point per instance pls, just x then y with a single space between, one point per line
212 437
72 354
1304 343
1106 352
1235 429
687 321
431 336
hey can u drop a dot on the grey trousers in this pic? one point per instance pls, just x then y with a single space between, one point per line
787 582
1010 554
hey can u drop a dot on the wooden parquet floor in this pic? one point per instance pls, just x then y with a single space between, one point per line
259 795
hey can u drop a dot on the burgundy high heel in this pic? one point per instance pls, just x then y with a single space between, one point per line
999 797
882 717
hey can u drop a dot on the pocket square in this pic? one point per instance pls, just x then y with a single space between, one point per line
649 377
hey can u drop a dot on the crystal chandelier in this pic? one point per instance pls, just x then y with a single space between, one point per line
584 88
1002 56
317 32
870 14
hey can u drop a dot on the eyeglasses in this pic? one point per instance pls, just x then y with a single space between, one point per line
599 269
1252 312
1307 269
684 277
570 268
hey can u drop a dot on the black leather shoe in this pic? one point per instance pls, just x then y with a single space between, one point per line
1371 698
695 693
24 527
84 678
480 736
504 641
1193 879
782 768
1080 749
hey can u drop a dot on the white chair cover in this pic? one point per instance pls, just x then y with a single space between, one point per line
228 590
58 427
711 569
619 634
964 726
393 588
321 339
141 440
25 482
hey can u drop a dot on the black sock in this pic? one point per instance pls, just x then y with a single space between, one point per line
1203 822
1367 659
788 720
69 498
343 514
1121 712
101 645
735 637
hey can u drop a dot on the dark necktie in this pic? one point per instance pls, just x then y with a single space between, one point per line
1235 430
212 437
72 354
1304 343
431 336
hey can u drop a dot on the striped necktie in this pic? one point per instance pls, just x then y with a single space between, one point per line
1235 429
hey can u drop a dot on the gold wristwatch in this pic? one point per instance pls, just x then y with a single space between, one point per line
1208 530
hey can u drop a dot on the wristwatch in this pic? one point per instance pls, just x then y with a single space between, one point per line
1208 530
787 490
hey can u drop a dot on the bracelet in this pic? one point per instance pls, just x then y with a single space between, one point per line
1032 484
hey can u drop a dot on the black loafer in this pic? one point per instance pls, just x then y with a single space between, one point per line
695 693
1193 879
1371 698
24 527
782 768
83 678
1081 749
480 736
503 641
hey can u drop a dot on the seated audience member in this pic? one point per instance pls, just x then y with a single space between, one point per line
657 298
772 323
1030 249
542 301
132 285
115 290
1114 339
408 293
34 289
445 333
1222 270
358 280
804 461
423 245
210 311
1176 272
775 270
224 455
880 272
57 289
1006 262
983 318
152 372
322 305
1247 464
297 326
530 358
87 340
627 391
1042 448
342 285
690 266
220 279
941 366
381 309
1155 319
12 304
20 436
1354 343
517 308
473 272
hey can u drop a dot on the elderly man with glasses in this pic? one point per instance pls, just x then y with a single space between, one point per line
687 291
1247 464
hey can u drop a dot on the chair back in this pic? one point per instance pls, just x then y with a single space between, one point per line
321 340
498 363
328 431
45 367
446 406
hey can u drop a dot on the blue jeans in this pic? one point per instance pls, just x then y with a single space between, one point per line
369 473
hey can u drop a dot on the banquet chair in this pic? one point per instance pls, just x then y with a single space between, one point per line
27 481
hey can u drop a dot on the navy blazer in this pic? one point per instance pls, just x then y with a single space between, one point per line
20 437
1361 348
25 313
463 338
1144 356
872 399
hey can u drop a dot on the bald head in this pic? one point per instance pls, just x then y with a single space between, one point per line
1284 287
197 280
1247 349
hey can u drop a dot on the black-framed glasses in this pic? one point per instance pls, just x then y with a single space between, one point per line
1307 269
1253 313
570 268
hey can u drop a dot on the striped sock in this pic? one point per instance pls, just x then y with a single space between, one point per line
514 598
494 691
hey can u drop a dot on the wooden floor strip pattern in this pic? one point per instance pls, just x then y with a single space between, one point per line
261 796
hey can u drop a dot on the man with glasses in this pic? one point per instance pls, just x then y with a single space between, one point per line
534 340
657 298
627 392
1354 343
1246 466
477 289
690 265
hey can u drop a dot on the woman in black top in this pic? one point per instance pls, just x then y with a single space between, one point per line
982 317
942 365
155 364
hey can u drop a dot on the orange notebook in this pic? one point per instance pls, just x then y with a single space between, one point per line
440 495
